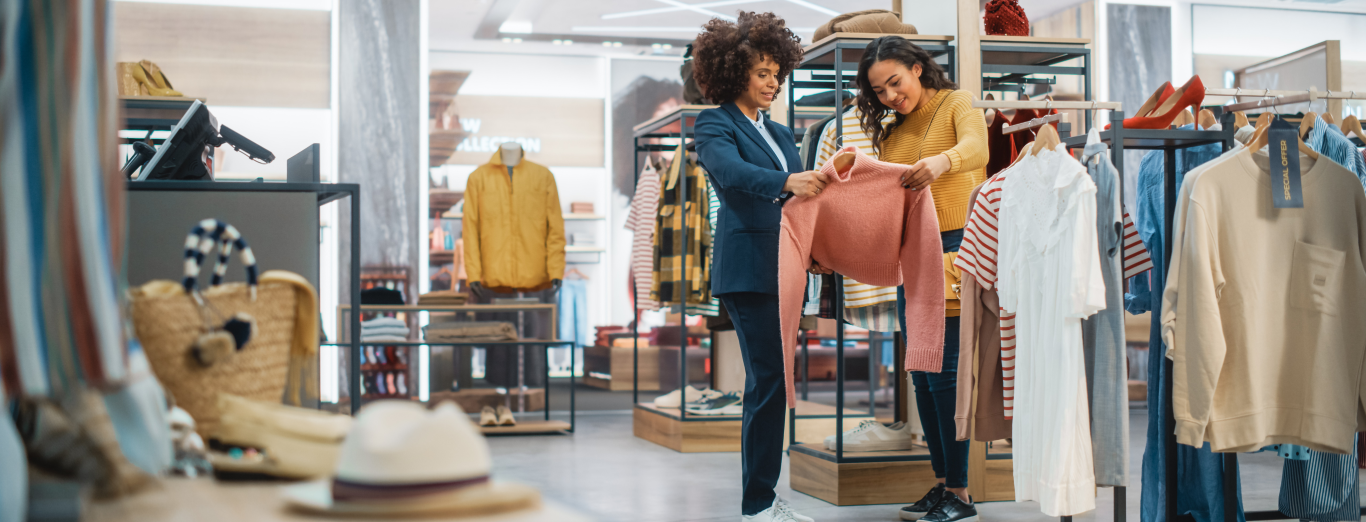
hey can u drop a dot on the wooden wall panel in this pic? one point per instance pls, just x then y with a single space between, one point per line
232 56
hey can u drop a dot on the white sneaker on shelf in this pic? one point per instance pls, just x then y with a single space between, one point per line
778 501
871 435
778 512
670 400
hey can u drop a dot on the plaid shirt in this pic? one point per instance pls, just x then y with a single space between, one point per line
669 231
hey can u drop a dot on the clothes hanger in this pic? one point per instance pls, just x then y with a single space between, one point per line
1047 138
1260 140
843 161
574 271
1352 125
1207 119
990 114
1240 119
1184 118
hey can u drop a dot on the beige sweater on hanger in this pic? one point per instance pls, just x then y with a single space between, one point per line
1264 313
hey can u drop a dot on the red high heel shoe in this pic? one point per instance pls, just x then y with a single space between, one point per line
1189 95
1159 96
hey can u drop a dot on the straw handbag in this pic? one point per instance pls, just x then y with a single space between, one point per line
247 339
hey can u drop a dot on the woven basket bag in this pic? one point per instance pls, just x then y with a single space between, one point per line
168 318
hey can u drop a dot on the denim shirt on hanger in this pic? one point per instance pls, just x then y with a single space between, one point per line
1200 472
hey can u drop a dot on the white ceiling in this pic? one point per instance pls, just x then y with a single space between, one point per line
457 24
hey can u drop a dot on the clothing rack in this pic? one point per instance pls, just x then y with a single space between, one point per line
1034 123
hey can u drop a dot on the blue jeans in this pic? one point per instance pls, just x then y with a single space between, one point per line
936 395
574 312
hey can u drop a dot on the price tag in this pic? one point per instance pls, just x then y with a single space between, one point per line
1283 144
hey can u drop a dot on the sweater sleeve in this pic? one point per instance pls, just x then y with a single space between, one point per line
474 266
554 234
1193 330
968 324
720 154
922 278
971 129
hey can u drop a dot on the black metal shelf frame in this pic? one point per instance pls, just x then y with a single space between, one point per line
544 344
1014 65
686 118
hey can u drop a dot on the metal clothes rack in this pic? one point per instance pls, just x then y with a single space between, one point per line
685 117
1016 60
840 53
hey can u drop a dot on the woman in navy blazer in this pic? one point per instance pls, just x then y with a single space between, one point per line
752 163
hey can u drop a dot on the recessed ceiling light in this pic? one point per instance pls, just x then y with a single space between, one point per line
516 40
656 46
507 40
569 42
555 42
519 26
668 46
616 44
606 44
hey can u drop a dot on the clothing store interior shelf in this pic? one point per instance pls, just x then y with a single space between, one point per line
527 427
153 113
671 117
694 433
177 498
1010 62
537 342
1154 139
893 477
821 55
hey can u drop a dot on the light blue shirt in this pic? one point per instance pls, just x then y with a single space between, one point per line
763 131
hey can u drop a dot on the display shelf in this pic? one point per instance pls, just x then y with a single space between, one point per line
528 427
664 427
1155 139
441 257
441 200
474 399
611 368
573 249
658 127
1011 62
890 477
822 53
468 343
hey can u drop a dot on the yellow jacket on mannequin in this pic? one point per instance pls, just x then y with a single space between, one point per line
513 227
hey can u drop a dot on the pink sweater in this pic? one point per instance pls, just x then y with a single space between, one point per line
866 226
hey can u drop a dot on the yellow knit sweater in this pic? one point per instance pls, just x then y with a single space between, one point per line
959 132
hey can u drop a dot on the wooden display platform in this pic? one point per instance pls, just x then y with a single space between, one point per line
618 366
527 427
474 399
721 433
896 477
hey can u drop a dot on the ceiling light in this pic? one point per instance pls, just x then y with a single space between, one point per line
555 42
516 40
507 40
668 46
656 46
568 42
616 44
520 26
606 44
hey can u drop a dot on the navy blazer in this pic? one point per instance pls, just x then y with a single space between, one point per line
749 181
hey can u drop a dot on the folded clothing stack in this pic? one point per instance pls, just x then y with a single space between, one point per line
384 329
470 331
443 298
603 333
581 207
582 239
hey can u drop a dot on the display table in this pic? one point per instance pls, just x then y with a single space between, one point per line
207 500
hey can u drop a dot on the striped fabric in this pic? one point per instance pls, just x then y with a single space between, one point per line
977 256
1325 488
640 220
200 243
881 317
713 308
856 294
62 217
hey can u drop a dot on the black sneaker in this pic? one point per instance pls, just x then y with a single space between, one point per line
921 508
952 509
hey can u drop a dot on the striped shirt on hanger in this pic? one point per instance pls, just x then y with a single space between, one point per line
977 256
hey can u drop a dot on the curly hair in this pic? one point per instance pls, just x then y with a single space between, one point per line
724 52
871 110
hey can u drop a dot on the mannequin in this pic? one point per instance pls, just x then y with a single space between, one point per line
511 153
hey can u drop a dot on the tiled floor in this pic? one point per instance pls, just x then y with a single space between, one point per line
604 470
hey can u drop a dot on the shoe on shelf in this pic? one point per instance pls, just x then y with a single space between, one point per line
505 417
487 417
922 507
1160 95
778 512
725 404
158 84
778 501
671 400
953 509
871 435
1189 95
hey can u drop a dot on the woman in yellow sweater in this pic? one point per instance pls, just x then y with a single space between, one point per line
936 132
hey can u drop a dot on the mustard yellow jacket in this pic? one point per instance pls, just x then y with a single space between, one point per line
513 227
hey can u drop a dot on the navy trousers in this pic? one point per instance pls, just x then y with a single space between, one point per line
761 431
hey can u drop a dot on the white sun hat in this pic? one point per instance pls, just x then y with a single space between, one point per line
401 459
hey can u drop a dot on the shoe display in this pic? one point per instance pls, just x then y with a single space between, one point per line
726 404
778 501
487 417
505 417
1160 95
922 507
778 512
157 83
871 435
1189 95
671 400
953 509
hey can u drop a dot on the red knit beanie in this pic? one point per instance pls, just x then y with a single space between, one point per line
1006 18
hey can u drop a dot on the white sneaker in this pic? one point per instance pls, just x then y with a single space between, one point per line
782 504
871 435
670 400
778 512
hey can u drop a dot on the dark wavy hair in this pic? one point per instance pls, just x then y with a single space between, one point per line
871 109
724 52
